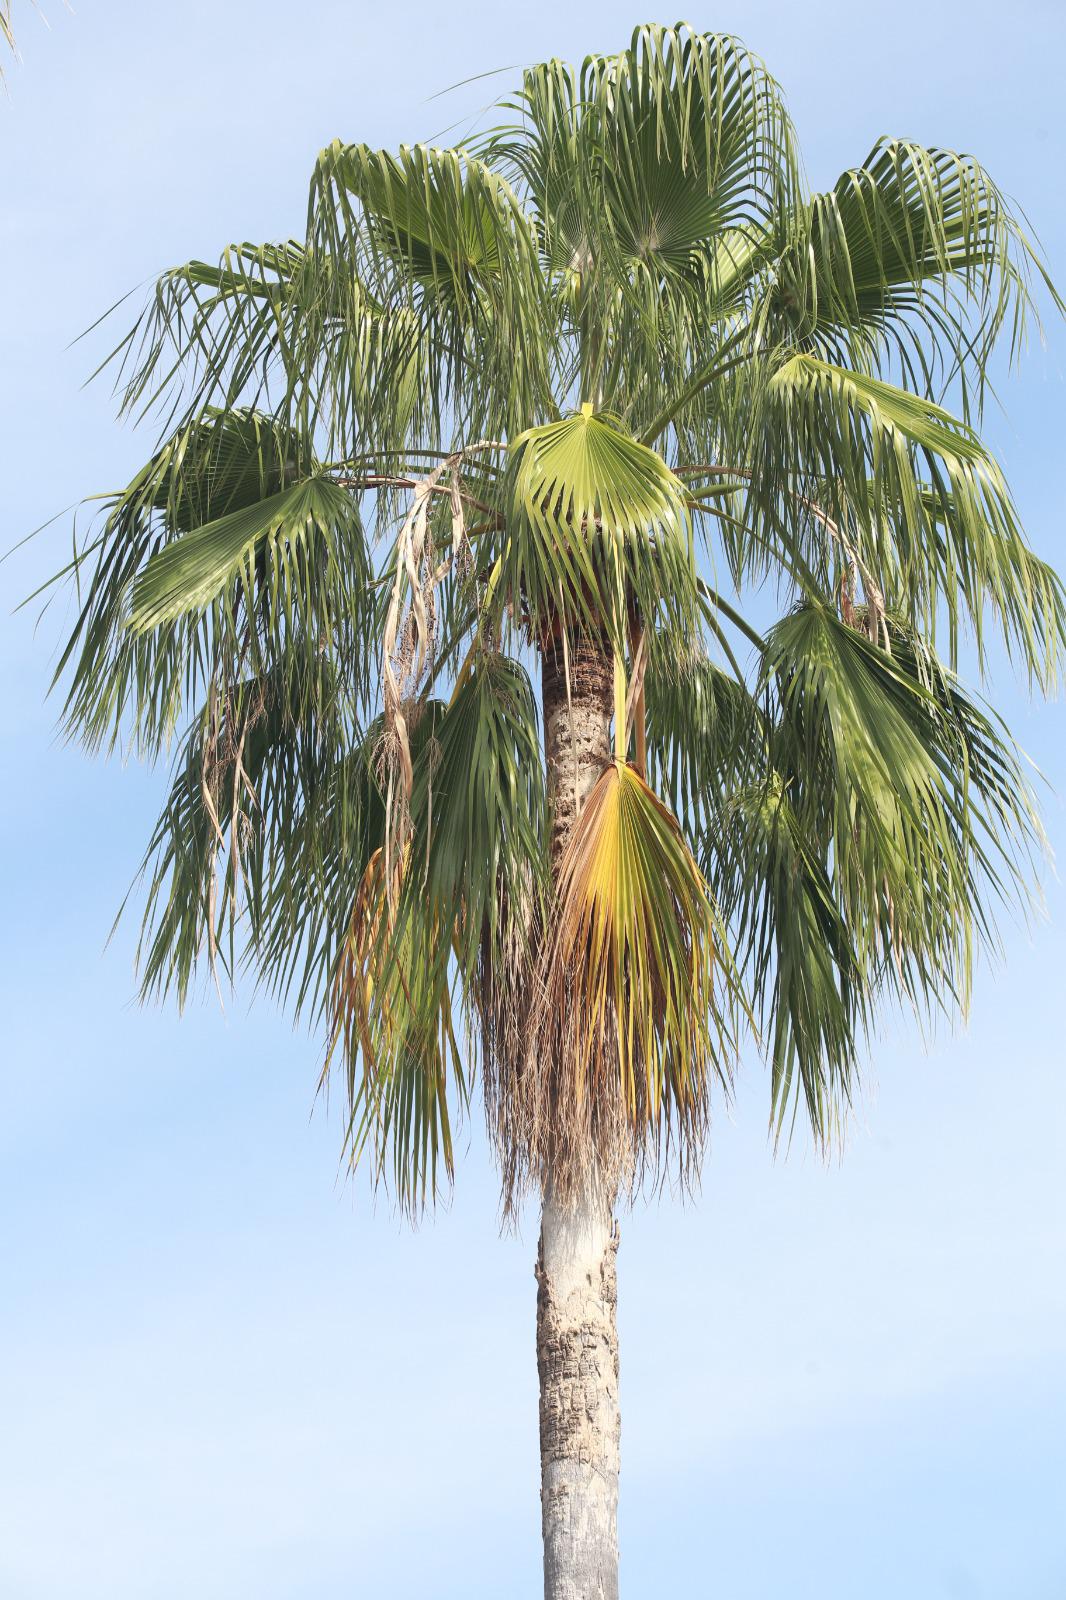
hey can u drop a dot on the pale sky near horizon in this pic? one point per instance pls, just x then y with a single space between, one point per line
225 1372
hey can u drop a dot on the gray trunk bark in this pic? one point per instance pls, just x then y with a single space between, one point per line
577 732
577 1338
580 1423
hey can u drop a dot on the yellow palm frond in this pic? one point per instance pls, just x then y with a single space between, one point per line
632 1024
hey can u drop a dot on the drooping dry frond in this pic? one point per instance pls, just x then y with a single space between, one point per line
631 1023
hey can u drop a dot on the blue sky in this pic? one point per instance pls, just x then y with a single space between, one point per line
226 1372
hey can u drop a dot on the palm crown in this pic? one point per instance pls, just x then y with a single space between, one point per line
500 445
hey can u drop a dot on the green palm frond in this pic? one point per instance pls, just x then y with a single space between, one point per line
303 918
711 751
213 334
222 461
652 176
696 152
471 882
872 470
684 134
275 555
172 604
393 1010
441 236
246 777
286 327
809 989
878 764
444 219
918 245
478 834
706 733
591 516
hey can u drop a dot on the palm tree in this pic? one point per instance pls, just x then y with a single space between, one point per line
443 564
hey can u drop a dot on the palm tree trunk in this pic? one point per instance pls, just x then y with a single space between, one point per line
577 1337
577 1363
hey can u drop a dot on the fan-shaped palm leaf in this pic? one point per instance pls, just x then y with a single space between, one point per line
891 478
593 516
440 233
879 766
917 244
635 1021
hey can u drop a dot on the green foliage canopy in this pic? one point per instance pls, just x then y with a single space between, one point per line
538 390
